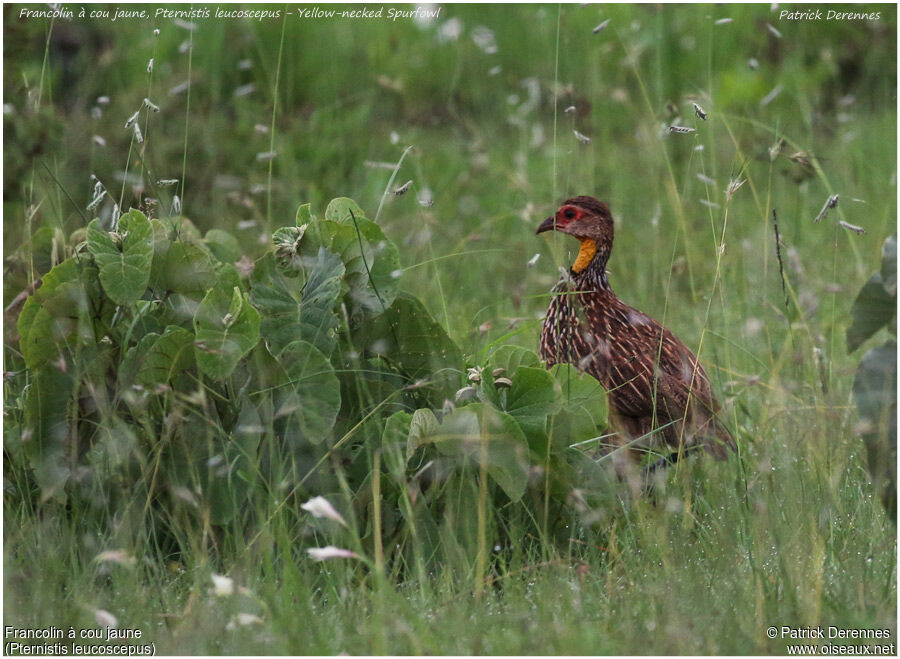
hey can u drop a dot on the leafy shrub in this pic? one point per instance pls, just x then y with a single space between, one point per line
155 370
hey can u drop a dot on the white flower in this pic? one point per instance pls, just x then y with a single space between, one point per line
105 618
115 556
222 586
325 553
243 620
321 508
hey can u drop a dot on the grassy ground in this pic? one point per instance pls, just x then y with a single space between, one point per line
787 533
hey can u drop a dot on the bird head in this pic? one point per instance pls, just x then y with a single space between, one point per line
588 220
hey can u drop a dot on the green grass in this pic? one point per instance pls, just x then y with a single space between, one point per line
787 533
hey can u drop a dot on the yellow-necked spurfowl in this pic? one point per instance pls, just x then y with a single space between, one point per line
656 385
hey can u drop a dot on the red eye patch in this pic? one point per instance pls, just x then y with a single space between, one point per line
567 214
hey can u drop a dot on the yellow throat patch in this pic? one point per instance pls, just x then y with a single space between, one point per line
585 254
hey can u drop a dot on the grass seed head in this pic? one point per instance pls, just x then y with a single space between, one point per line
180 88
116 556
771 96
734 185
132 119
425 198
776 148
403 189
601 27
830 203
329 552
581 137
852 227
321 508
244 90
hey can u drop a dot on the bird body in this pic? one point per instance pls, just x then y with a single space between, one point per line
655 384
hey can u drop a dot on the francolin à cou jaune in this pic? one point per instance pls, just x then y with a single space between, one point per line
656 385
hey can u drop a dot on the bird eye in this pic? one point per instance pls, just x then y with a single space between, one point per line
569 213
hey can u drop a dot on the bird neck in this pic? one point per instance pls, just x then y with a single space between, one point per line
589 268
586 254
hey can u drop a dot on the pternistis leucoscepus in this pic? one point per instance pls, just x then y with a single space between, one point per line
656 385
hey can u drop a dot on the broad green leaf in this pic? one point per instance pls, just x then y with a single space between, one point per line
182 268
58 312
534 396
124 267
177 228
873 309
134 359
167 356
370 259
223 337
409 338
393 444
304 215
286 241
584 408
223 245
310 399
479 431
396 428
339 210
46 428
510 358
422 425
290 310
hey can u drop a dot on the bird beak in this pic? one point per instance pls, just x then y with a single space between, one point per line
547 225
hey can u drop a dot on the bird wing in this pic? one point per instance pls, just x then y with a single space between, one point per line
648 369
